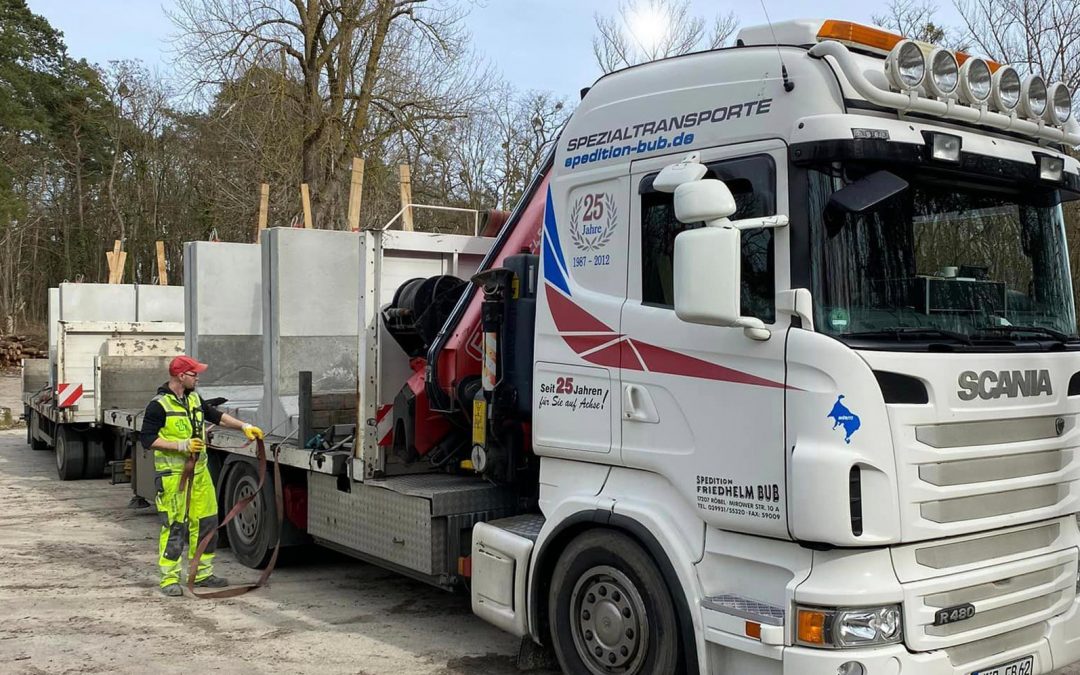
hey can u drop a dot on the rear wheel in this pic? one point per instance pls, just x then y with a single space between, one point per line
33 424
609 609
95 458
70 454
252 531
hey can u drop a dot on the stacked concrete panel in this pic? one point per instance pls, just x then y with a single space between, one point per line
223 321
159 303
311 310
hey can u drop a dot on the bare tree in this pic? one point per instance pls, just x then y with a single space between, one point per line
364 70
1036 36
647 30
914 19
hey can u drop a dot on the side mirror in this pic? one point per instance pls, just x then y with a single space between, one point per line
708 276
708 260
707 201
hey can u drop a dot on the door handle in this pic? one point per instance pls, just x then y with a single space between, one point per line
638 404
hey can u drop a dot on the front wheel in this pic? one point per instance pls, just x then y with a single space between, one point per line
252 531
609 609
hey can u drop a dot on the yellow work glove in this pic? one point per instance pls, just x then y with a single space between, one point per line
252 432
192 445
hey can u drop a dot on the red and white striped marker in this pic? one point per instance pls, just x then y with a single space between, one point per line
68 395
384 424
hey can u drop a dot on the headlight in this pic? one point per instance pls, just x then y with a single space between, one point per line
846 628
1059 104
1005 94
905 65
944 73
974 81
1033 97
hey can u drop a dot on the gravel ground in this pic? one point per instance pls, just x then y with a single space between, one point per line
78 594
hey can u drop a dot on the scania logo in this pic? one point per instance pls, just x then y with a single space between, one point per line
1011 383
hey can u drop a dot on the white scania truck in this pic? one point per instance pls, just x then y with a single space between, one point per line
775 369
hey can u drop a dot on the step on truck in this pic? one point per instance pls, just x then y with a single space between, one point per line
774 369
109 348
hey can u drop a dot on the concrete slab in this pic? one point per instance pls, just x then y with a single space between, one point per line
223 312
311 315
98 302
159 303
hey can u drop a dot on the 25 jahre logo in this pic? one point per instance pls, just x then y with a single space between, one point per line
592 221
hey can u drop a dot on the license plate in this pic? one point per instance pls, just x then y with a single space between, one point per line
1024 666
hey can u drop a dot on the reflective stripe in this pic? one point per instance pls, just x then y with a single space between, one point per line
183 421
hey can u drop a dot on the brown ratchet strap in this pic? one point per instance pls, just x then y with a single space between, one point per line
186 480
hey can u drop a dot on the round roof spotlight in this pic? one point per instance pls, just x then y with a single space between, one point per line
1059 101
944 73
1005 93
905 65
1033 97
975 82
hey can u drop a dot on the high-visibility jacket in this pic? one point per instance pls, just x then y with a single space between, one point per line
183 421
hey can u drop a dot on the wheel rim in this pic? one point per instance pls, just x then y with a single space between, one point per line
247 520
61 447
609 622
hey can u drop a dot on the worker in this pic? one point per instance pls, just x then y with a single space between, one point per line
174 427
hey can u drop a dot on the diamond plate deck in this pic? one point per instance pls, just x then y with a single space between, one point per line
527 525
449 494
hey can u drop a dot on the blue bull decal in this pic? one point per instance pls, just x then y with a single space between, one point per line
841 416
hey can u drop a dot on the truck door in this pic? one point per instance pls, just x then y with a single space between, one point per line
703 405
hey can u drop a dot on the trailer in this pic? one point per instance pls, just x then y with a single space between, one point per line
109 347
773 370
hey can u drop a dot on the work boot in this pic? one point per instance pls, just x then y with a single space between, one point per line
172 590
212 581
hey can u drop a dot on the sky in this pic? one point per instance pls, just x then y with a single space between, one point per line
537 44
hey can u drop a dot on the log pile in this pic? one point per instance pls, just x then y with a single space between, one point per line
15 348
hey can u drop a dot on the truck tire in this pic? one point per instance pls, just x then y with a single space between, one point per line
70 454
33 423
95 458
252 532
609 609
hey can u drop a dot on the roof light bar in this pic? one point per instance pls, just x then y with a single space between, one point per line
944 73
858 35
1059 104
1033 97
1005 90
975 82
905 65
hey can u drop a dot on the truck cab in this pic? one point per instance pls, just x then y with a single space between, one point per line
805 369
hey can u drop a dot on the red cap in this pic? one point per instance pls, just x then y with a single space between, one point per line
183 364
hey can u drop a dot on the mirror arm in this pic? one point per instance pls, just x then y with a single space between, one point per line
754 328
770 222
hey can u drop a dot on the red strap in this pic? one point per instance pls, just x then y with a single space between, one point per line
260 453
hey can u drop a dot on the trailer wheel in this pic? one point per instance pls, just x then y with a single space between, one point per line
251 532
70 454
33 423
95 458
609 609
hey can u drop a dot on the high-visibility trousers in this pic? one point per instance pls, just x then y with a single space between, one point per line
176 533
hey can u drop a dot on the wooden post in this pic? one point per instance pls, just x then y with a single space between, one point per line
305 196
356 190
162 273
120 267
264 210
113 259
406 198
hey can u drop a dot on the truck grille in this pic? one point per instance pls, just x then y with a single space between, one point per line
1008 577
974 476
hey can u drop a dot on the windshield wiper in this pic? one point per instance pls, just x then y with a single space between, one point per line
910 332
1031 330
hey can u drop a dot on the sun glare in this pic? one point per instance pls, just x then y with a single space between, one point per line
648 26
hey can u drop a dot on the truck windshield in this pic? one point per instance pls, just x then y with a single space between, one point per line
939 262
